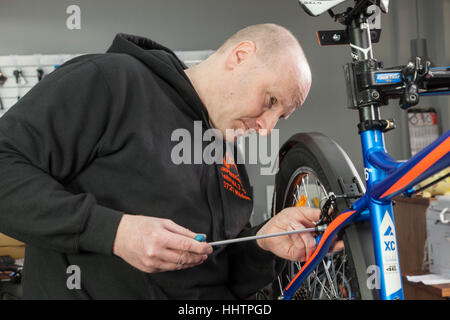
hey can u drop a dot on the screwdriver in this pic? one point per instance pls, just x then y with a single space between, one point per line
201 238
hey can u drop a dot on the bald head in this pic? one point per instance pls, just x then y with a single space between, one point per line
257 76
277 49
271 41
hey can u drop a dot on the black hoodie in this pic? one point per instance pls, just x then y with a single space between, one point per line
91 142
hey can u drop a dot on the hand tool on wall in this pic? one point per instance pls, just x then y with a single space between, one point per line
3 79
40 74
20 80
18 74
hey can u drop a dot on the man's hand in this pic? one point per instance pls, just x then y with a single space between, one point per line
156 245
294 247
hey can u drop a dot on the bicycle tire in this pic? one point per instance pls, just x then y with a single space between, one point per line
309 154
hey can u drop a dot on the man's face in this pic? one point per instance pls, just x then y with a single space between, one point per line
256 97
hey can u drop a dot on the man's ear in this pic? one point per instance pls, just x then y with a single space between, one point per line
240 54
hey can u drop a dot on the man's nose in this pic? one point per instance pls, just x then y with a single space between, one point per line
266 123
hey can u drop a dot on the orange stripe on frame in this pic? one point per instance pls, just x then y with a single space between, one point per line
420 167
333 225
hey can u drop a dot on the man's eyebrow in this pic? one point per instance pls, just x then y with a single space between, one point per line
295 104
291 110
298 100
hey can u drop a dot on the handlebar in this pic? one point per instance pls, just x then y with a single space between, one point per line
437 81
368 83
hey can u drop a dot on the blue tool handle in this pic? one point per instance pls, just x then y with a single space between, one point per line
200 238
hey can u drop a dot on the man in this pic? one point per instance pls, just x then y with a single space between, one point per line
87 179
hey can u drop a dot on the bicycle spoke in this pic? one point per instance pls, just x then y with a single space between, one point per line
318 191
327 274
306 191
279 283
296 196
333 269
323 289
328 280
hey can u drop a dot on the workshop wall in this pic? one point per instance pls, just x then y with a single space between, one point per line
30 27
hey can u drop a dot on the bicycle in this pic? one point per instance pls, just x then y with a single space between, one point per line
315 171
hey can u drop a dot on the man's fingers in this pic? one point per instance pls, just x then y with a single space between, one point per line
294 253
183 243
162 266
167 260
176 228
304 242
337 246
310 242
296 239
308 216
182 257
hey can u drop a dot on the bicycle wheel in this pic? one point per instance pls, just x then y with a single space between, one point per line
306 178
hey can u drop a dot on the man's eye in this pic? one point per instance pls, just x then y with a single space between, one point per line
273 100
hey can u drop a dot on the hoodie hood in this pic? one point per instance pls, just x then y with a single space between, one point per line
163 62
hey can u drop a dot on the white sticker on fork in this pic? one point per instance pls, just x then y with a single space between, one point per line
389 255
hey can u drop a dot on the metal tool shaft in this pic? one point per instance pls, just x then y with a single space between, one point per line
277 234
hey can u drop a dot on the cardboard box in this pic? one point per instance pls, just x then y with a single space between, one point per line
11 247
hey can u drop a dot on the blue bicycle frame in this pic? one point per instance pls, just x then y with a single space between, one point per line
385 179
